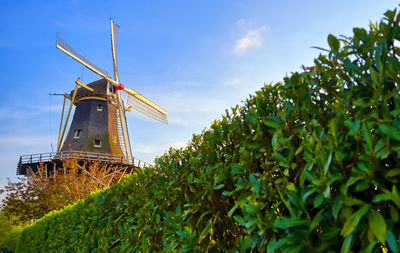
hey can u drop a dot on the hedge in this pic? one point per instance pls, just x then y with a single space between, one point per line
309 164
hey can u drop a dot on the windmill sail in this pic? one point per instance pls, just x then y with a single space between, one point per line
66 48
122 125
135 100
114 43
146 109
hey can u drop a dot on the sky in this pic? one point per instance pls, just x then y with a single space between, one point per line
194 58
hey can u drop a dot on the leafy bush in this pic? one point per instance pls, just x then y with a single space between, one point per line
308 164
46 191
9 232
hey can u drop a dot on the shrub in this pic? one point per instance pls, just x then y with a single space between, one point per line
45 191
308 164
9 232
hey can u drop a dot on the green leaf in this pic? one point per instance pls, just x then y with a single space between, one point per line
374 76
239 219
381 149
272 121
353 180
178 210
294 199
232 210
377 225
353 202
333 43
330 232
353 220
227 193
308 194
394 214
201 217
370 247
395 195
274 141
368 137
318 200
316 220
237 169
390 14
251 222
289 222
327 192
360 32
327 163
391 240
294 248
220 186
365 168
336 208
206 230
251 118
391 131
274 245
393 173
291 187
245 243
381 197
346 246
190 178
362 185
378 57
302 177
355 127
299 150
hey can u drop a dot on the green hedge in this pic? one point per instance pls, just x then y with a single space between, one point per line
308 164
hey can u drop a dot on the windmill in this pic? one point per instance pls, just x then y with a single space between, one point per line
98 129
113 94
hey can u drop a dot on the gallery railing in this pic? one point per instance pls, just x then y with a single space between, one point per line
85 156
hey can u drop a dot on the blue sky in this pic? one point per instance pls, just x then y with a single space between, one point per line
194 58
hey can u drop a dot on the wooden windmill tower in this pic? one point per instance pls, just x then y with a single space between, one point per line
98 129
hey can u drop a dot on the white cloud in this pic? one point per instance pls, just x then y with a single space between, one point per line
252 39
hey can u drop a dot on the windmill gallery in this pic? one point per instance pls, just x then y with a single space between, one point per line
98 131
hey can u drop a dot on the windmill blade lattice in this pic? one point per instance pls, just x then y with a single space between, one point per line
147 110
114 43
64 46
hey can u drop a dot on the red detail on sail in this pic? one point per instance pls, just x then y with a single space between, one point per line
120 87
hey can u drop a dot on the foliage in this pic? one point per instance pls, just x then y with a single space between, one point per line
9 233
24 201
32 197
309 164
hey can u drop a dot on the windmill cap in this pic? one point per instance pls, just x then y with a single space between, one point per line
99 87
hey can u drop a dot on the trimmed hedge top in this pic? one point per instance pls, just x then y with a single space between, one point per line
307 164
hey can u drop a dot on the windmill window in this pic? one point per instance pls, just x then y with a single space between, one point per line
99 107
77 134
97 143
